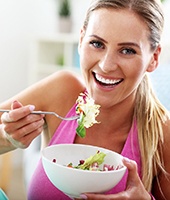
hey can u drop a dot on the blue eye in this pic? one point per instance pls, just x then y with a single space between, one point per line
97 44
128 51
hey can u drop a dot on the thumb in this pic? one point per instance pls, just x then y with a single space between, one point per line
16 104
133 177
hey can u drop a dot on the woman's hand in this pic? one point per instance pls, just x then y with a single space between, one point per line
19 126
134 188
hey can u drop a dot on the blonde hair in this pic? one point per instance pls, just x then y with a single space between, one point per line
150 115
149 112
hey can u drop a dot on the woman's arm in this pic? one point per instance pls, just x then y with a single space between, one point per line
57 92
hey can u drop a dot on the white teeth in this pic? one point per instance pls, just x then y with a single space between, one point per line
106 81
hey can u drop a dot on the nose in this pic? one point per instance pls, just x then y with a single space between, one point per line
108 62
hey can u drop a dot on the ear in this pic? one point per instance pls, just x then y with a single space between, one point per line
82 33
154 60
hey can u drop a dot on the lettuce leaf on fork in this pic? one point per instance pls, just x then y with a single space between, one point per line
88 112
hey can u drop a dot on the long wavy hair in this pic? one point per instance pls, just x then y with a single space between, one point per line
149 113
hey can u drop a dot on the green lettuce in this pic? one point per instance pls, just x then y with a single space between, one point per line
98 158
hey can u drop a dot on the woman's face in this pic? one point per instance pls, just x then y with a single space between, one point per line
114 55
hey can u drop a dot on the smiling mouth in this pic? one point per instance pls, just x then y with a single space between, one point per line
105 81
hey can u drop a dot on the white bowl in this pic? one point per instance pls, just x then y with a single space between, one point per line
74 182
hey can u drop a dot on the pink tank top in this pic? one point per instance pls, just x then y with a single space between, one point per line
41 188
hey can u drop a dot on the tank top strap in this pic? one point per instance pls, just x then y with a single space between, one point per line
131 148
66 131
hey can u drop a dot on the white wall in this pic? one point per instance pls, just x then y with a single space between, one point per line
165 55
79 8
166 32
20 22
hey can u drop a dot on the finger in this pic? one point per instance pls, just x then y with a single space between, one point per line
134 184
21 138
17 114
21 112
118 196
16 104
26 140
5 117
30 120
133 177
27 129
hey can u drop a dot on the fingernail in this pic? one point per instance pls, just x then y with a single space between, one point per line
127 160
83 196
31 107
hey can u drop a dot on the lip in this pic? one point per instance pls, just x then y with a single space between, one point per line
106 82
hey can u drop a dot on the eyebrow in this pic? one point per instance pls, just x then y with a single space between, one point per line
120 44
99 38
129 44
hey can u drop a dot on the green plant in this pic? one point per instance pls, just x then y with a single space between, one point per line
64 8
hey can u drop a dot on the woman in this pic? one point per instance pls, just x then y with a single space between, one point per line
119 44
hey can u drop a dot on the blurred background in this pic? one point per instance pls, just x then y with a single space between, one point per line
39 37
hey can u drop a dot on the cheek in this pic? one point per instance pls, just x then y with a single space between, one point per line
137 78
136 67
135 72
85 59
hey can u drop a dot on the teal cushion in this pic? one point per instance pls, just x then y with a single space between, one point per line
3 195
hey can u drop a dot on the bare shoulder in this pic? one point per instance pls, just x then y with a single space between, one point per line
64 83
46 94
68 79
61 87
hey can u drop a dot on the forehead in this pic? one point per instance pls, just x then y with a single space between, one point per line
121 23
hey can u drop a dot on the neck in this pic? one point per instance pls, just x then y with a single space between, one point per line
116 117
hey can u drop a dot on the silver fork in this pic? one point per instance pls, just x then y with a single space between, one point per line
48 113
